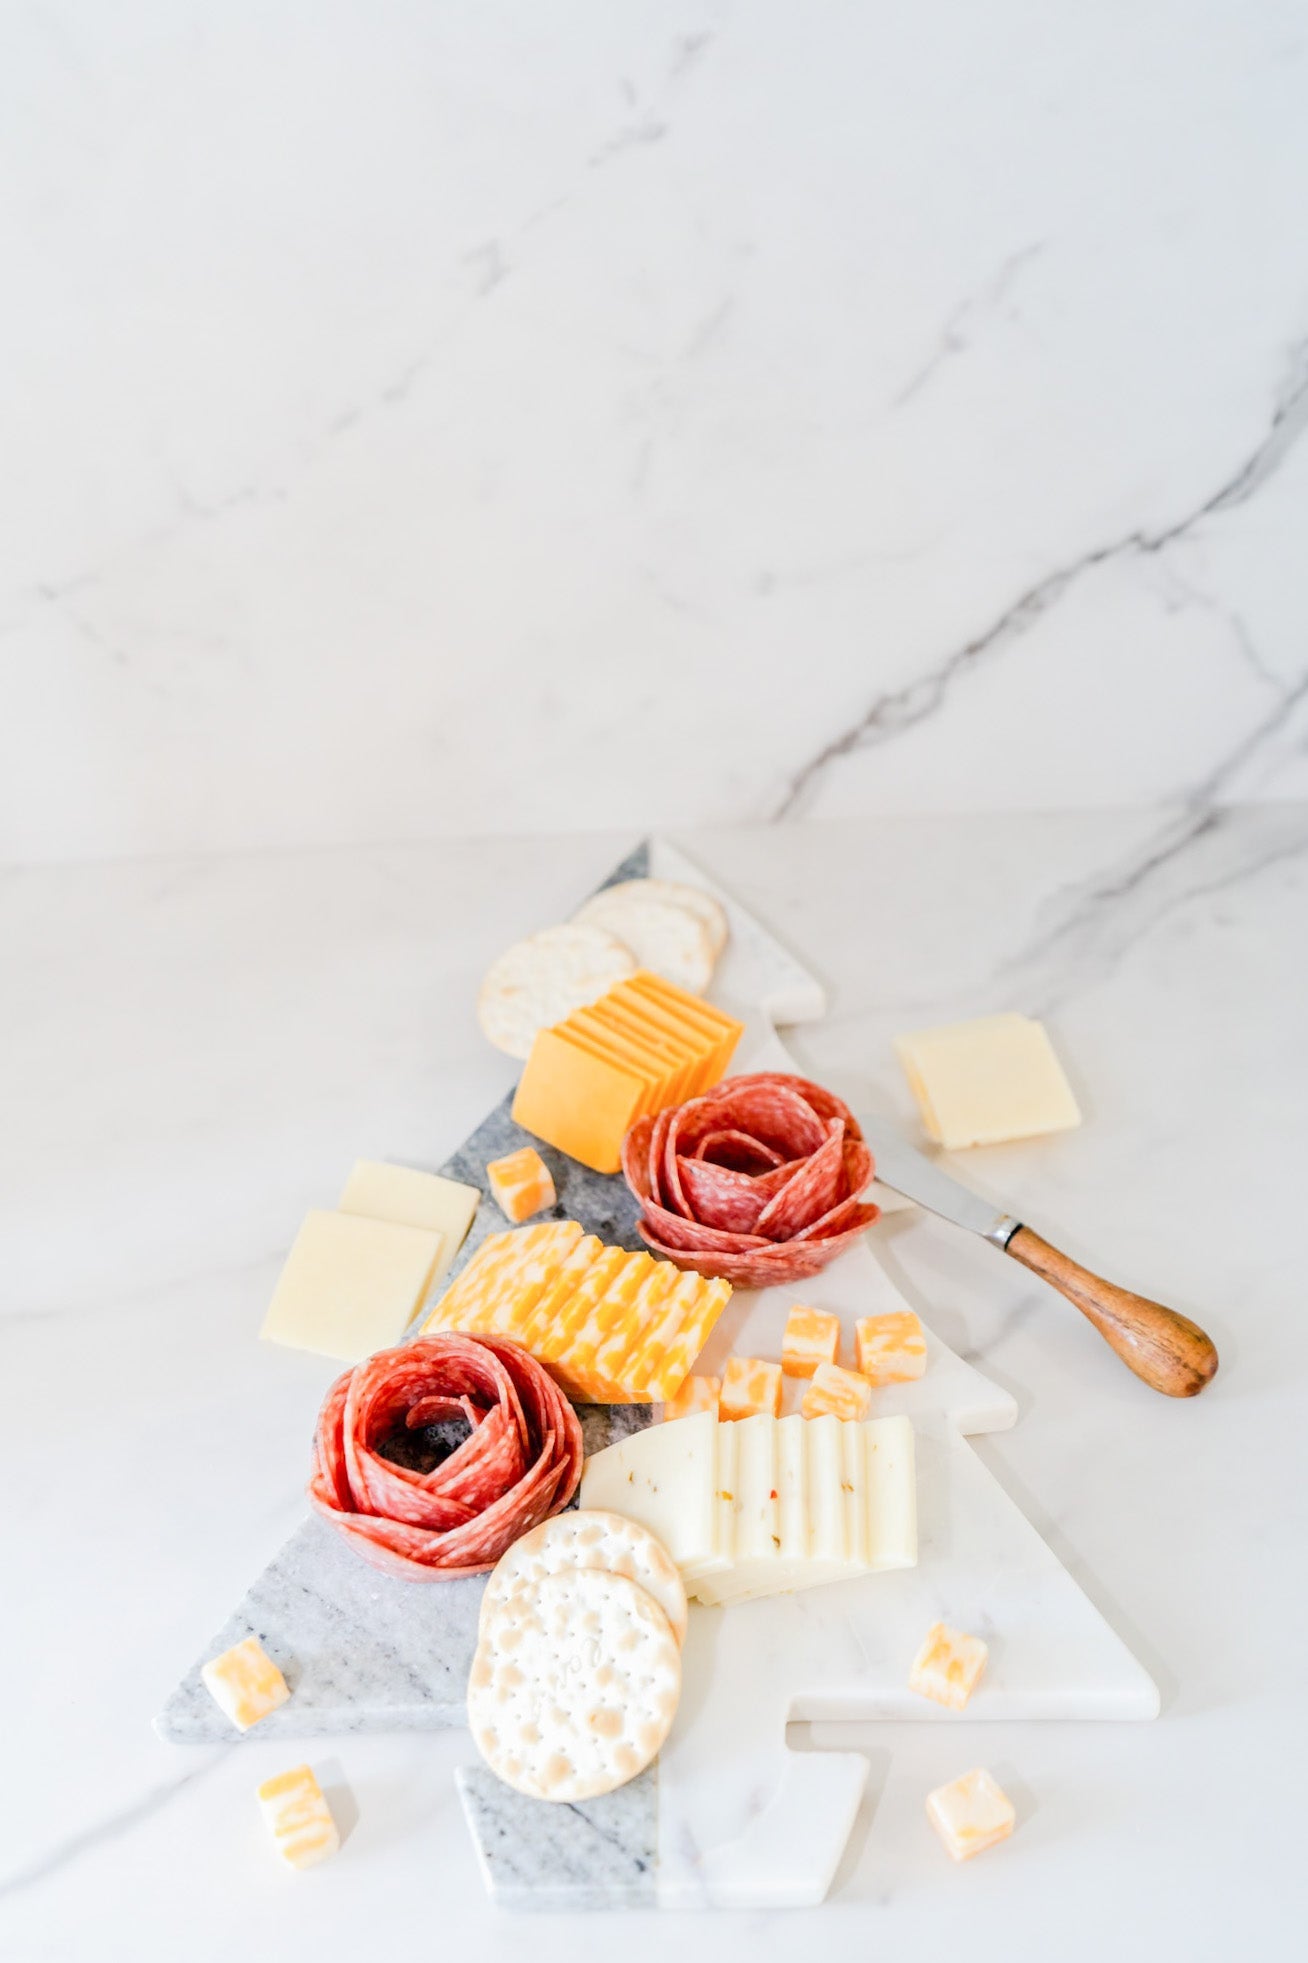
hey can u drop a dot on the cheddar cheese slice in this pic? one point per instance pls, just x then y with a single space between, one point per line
578 1100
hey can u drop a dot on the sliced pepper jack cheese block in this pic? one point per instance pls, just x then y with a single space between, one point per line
812 1337
891 1348
970 1814
245 1683
948 1666
350 1285
611 1327
410 1198
298 1817
749 1387
981 1082
762 1505
521 1184
836 1393
696 1394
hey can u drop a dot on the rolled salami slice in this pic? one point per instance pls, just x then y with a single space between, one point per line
520 1462
757 1182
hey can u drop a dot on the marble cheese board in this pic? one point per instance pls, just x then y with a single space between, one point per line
729 1816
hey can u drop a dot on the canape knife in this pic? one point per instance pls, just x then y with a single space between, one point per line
1164 1348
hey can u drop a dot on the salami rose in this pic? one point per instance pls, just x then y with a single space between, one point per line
520 1461
757 1182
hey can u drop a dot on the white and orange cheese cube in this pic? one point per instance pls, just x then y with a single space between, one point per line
812 1337
750 1388
521 1184
971 1814
891 1348
696 1394
298 1817
948 1666
245 1683
836 1393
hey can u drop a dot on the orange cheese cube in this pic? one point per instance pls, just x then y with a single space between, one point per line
891 1348
948 1666
812 1337
971 1814
836 1393
696 1394
521 1184
750 1388
298 1817
245 1683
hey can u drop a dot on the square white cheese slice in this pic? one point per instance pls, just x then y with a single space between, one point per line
410 1198
666 1479
350 1285
982 1082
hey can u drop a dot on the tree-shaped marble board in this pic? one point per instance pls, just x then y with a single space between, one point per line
729 1816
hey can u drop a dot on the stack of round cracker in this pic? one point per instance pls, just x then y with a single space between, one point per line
577 1674
677 931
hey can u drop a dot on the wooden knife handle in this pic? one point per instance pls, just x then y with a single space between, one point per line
1166 1349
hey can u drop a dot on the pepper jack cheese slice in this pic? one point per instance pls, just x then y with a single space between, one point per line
298 1817
521 1184
979 1083
948 1666
245 1683
410 1198
971 1814
350 1285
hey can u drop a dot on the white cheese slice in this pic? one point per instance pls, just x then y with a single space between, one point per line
350 1285
410 1198
892 1493
792 1489
981 1082
826 1498
666 1479
854 1485
755 1543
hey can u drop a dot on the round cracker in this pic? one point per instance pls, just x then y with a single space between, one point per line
692 899
668 939
541 980
574 1686
589 1538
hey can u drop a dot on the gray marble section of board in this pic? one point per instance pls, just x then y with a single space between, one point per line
537 1854
360 1650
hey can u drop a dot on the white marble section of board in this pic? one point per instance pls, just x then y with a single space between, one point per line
756 976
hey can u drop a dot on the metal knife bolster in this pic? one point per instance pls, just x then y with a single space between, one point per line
918 1178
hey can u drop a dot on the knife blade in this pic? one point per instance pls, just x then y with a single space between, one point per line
1163 1347
911 1173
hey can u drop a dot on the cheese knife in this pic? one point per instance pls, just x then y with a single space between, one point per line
1166 1349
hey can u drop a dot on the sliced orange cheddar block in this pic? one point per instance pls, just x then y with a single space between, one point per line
245 1683
521 1184
971 1814
578 1101
891 1348
298 1817
696 1394
639 1049
812 1337
948 1666
751 1388
836 1393
586 1311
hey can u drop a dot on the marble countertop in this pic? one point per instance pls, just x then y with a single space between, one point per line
198 1049
947 363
